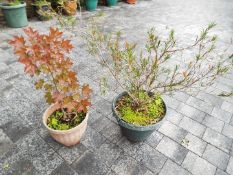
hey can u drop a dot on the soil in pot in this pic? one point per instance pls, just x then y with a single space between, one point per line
151 111
58 121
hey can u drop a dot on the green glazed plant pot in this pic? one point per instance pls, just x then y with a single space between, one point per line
15 16
111 2
91 5
133 132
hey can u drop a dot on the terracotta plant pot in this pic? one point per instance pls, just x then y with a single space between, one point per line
70 7
66 137
131 1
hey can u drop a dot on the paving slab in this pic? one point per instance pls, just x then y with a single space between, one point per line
126 165
194 144
213 123
171 168
174 132
192 126
230 166
197 165
179 146
217 157
218 140
172 150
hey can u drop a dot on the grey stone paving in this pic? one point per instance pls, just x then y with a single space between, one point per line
196 136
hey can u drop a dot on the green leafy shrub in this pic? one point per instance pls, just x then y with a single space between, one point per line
147 70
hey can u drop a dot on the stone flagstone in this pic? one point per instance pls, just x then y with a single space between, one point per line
216 157
197 165
172 150
195 137
218 140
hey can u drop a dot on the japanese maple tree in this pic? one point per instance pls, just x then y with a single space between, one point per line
45 57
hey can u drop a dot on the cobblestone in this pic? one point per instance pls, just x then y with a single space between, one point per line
173 131
192 122
173 116
171 168
221 115
200 104
218 140
213 123
172 149
230 166
192 126
125 165
227 106
197 165
216 157
228 131
191 112
194 144
220 172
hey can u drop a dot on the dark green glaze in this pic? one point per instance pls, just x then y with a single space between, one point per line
130 131
91 4
111 2
15 16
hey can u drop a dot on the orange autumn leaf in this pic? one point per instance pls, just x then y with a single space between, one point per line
86 90
54 33
18 42
66 45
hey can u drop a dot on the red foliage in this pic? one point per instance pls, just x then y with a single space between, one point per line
45 55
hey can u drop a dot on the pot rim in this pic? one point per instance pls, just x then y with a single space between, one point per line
45 117
5 6
130 125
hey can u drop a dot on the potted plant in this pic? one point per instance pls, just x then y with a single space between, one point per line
70 7
144 77
131 1
43 10
15 13
44 57
111 2
91 5
67 7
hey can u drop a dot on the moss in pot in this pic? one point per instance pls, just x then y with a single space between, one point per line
156 70
45 58
58 121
